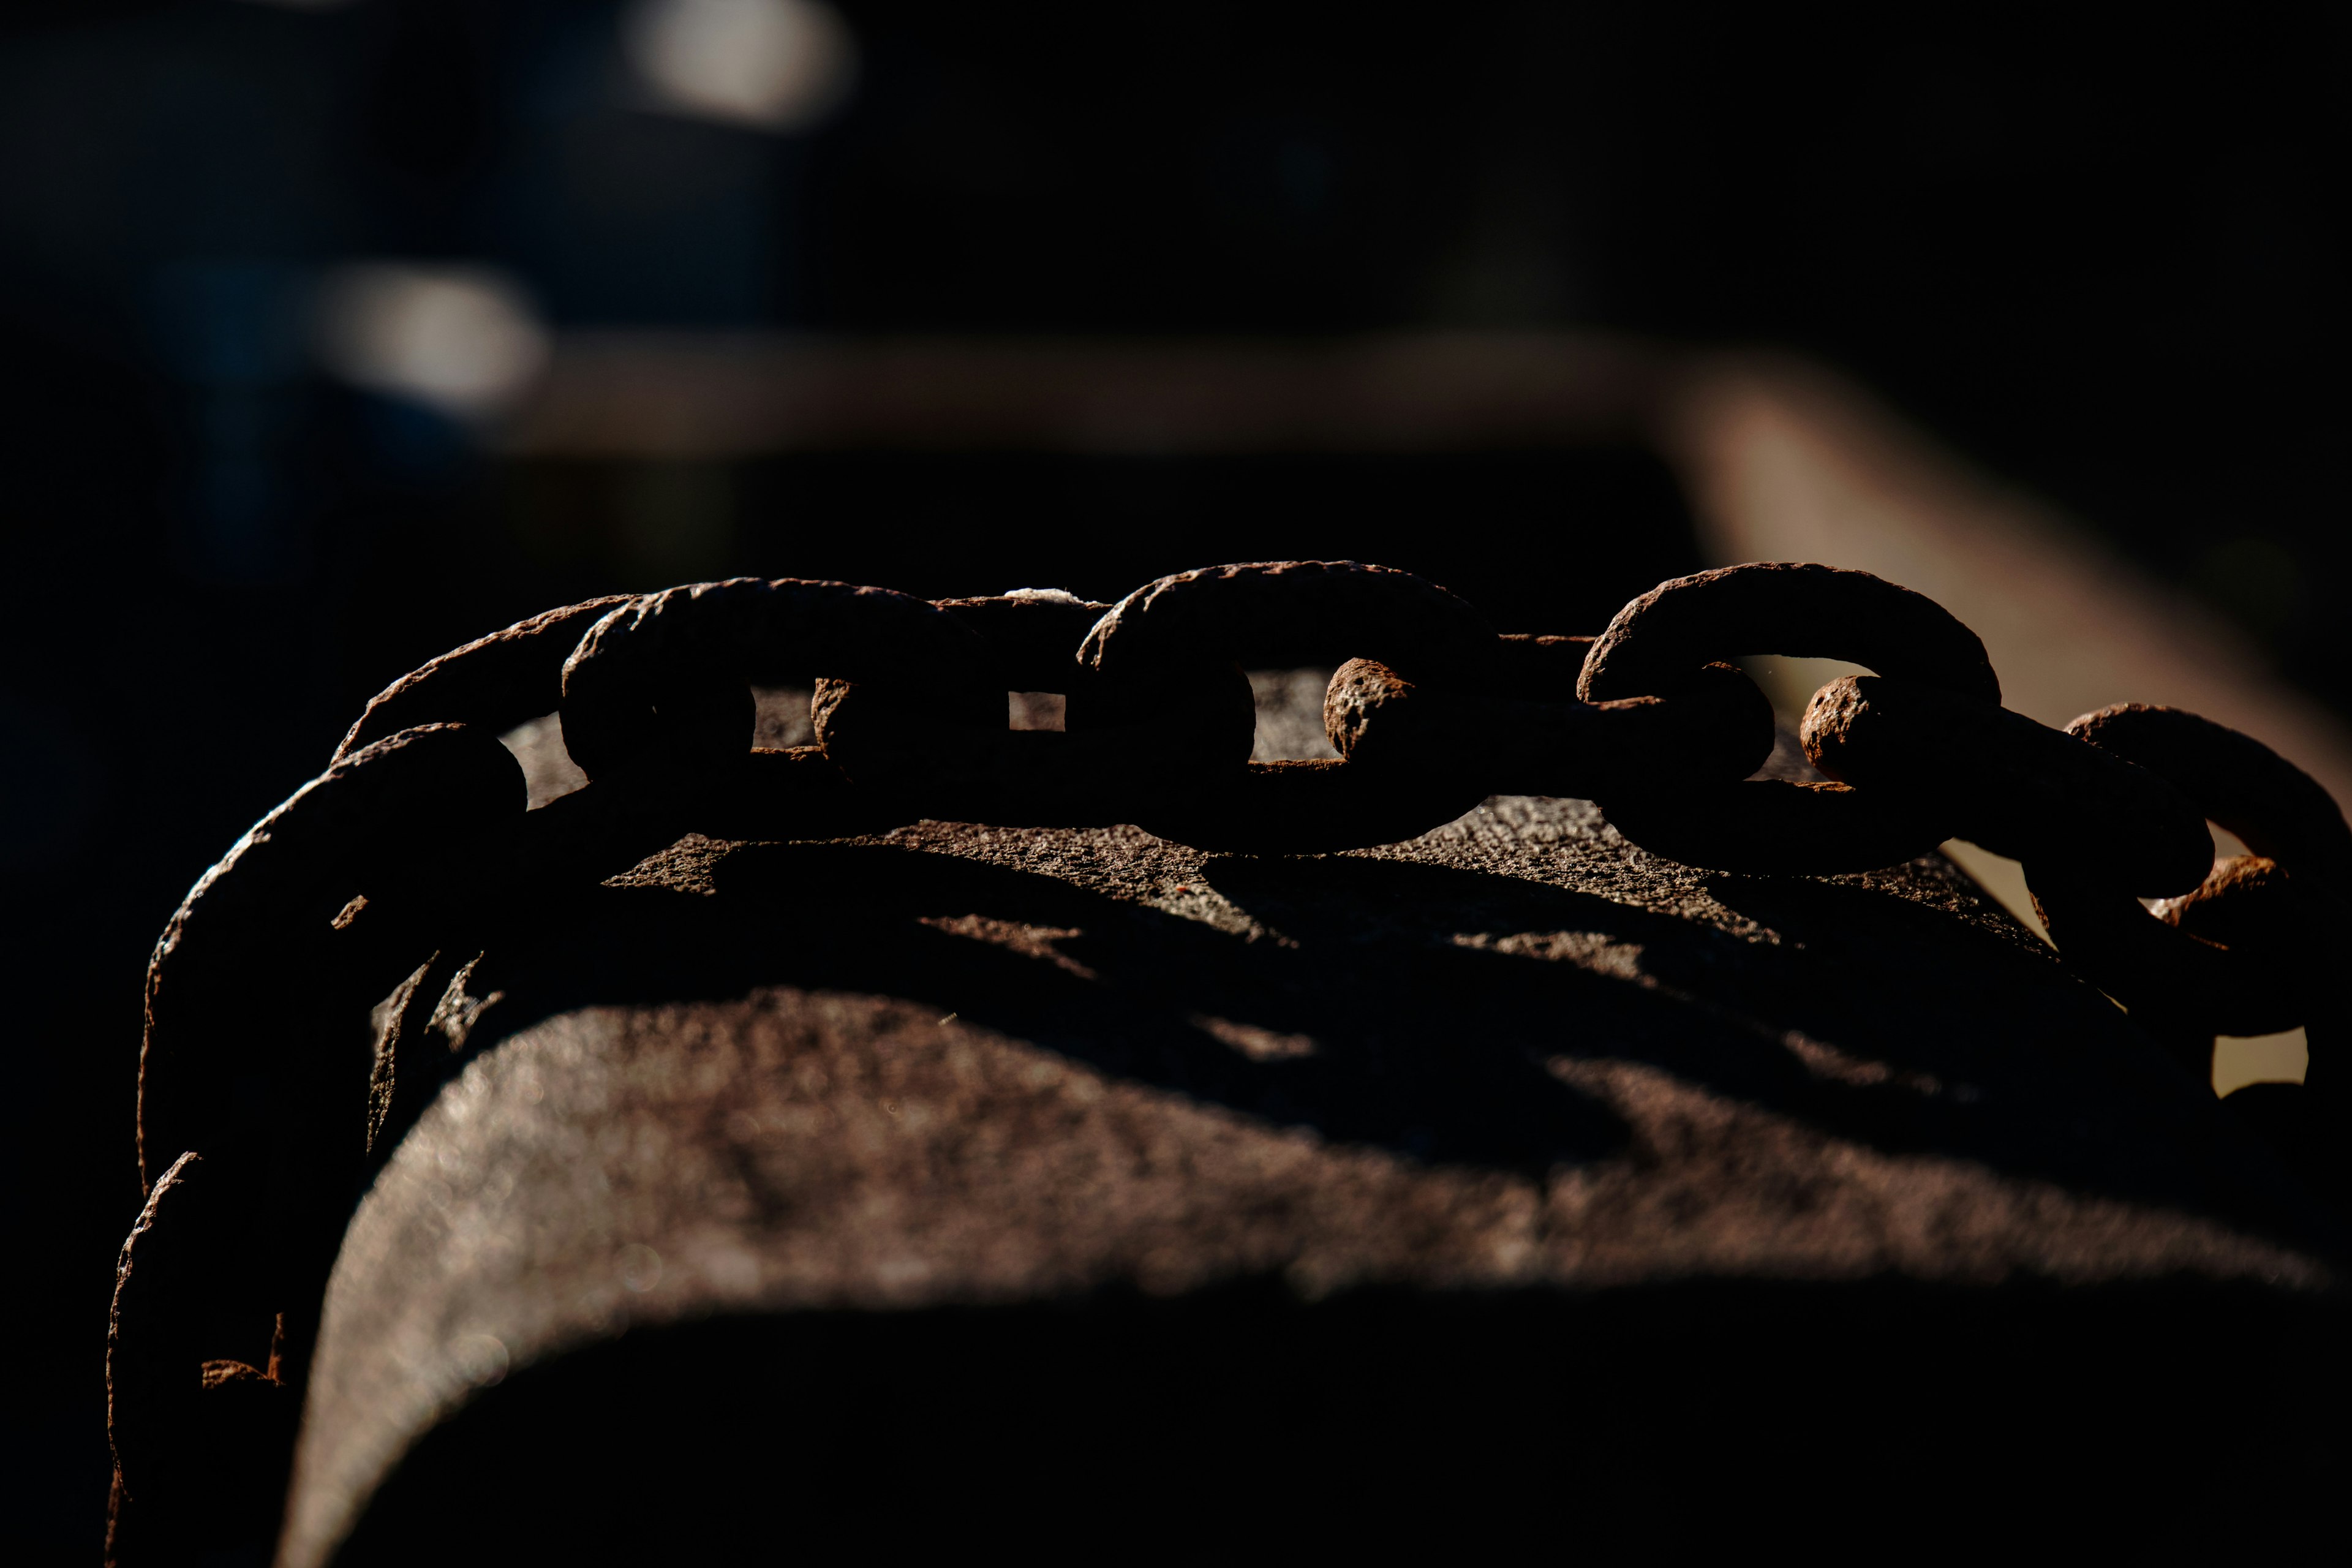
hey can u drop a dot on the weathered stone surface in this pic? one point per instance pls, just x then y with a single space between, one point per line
765 1088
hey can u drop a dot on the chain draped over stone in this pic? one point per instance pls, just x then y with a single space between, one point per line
413 845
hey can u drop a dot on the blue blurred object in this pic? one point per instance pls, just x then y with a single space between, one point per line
235 332
415 443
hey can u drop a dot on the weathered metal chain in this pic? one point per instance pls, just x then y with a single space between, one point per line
1431 711
413 850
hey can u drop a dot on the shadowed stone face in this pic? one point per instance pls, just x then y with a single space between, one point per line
958 1068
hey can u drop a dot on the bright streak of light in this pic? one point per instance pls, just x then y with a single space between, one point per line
776 65
461 339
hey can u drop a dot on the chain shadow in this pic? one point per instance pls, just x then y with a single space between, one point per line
1866 1014
1418 1009
1260 1028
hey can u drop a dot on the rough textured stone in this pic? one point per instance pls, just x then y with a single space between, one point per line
870 1088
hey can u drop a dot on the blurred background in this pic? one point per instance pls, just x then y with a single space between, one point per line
334 334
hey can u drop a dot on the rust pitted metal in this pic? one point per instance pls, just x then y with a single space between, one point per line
2009 784
1294 614
1796 610
2278 809
2180 983
893 737
1034 631
1187 627
674 670
2277 935
285 882
1714 729
2249 903
2219 973
1539 666
263 1097
498 681
1189 718
1372 713
199 1418
1102 767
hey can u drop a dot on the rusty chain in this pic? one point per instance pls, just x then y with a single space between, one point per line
381 878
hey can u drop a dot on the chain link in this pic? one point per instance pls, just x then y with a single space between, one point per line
2245 951
412 851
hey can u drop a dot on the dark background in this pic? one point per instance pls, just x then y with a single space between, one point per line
2098 259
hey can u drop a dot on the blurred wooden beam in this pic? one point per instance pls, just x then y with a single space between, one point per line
682 395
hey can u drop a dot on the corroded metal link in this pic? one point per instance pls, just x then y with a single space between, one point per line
897 749
2180 983
201 1413
498 681
1521 746
265 1097
2278 809
2275 935
1539 667
1200 725
1191 627
1293 613
1035 634
1163 739
894 738
1197 720
2248 904
672 669
1762 827
1268 616
1201 716
278 894
1795 609
2013 787
429 827
2211 972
